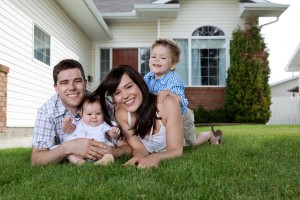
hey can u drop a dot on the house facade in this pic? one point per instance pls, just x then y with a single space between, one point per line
36 35
284 88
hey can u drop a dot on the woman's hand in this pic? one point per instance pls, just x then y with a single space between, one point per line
135 160
150 161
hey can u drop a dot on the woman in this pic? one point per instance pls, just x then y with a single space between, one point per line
153 130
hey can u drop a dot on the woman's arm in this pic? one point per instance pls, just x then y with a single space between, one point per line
170 113
138 149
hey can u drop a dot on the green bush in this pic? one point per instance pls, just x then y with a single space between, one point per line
210 116
247 90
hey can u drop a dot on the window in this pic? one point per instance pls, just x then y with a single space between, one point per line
208 61
144 61
41 46
207 56
105 63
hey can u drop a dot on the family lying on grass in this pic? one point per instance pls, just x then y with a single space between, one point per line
147 119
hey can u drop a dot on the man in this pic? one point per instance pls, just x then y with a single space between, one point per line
48 139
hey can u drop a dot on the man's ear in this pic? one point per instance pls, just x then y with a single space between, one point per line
55 87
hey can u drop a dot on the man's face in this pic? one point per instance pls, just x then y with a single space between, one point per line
71 88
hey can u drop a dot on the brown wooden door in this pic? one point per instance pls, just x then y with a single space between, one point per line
125 57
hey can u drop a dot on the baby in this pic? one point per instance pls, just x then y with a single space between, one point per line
91 125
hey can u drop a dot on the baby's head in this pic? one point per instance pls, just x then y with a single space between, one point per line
91 111
172 49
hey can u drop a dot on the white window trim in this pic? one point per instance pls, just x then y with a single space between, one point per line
34 24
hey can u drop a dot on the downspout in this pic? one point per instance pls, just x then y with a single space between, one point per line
158 27
277 18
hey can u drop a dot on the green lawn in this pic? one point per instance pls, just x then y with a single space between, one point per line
255 162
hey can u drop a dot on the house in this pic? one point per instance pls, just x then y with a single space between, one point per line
285 87
294 64
36 35
285 109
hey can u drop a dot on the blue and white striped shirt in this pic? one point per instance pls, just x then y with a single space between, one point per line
170 81
48 122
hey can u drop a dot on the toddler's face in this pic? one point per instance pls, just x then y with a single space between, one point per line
160 61
92 114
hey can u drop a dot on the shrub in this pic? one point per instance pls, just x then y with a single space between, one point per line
210 116
247 90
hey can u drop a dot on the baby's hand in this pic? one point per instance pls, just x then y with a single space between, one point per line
67 125
161 95
114 132
67 120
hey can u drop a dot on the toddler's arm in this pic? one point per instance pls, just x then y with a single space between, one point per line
67 125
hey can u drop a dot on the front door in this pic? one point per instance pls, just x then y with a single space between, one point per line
125 57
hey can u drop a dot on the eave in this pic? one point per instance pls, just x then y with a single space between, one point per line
261 9
87 17
294 63
144 13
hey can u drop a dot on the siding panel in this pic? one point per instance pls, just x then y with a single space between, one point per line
29 81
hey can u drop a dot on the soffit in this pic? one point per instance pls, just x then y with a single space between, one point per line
144 13
263 9
87 17
294 63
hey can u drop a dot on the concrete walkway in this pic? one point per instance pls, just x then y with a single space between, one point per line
15 142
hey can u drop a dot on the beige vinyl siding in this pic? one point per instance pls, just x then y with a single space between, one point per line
194 14
30 81
131 34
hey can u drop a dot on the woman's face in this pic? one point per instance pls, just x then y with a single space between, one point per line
128 95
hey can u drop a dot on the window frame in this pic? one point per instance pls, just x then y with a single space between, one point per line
189 56
47 44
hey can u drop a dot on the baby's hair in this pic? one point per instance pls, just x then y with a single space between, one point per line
88 99
172 45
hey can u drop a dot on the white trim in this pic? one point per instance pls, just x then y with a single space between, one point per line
284 80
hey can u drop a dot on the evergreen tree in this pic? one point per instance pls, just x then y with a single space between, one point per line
247 90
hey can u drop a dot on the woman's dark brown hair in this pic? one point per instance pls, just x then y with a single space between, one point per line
146 113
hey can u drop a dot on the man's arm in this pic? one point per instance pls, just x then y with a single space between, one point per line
87 148
122 148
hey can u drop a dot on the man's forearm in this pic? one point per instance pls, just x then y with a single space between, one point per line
45 156
122 150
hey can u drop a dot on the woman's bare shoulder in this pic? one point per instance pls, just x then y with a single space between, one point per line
168 105
121 114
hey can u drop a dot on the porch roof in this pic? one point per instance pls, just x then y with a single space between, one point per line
260 8
88 18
